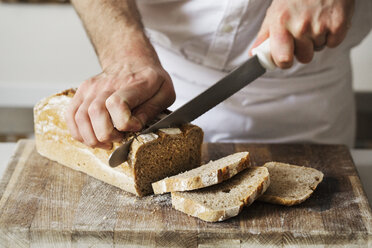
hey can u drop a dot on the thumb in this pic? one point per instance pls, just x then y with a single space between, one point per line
262 35
160 101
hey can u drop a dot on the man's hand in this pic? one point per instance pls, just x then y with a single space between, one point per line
133 87
300 27
119 99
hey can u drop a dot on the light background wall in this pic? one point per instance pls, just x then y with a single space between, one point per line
44 49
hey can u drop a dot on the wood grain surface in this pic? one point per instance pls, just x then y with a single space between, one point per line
44 204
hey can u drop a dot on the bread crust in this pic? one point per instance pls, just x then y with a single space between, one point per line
197 209
84 160
203 180
54 141
288 200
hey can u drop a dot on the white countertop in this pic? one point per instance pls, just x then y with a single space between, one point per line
362 159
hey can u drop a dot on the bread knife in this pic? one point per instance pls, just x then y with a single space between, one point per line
218 92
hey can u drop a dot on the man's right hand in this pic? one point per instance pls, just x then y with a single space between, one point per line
122 98
297 28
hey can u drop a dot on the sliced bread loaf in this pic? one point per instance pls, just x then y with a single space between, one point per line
225 200
152 156
206 175
290 184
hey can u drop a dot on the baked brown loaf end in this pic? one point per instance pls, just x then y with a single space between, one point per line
152 156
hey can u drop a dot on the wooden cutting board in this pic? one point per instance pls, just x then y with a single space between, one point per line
44 204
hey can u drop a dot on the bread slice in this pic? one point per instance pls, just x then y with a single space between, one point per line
290 184
152 156
222 201
206 175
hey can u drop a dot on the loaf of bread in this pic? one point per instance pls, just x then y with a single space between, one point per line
152 156
206 175
290 184
225 200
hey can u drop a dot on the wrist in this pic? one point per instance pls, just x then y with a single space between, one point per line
131 47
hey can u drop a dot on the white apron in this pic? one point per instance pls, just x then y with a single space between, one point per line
199 41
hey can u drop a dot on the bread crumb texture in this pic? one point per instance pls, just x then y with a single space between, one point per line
206 175
225 200
152 156
290 184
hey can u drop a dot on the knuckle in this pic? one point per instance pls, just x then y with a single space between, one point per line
319 30
152 78
80 116
113 101
283 16
151 72
300 29
92 80
95 109
338 29
339 24
104 137
91 142
122 126
84 85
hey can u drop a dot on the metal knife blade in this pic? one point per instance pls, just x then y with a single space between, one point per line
220 91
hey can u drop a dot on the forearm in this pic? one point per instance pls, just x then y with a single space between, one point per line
115 30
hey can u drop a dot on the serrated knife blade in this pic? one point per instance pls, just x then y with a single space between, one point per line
218 92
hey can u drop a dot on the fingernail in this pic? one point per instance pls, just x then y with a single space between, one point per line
106 146
127 116
284 58
134 124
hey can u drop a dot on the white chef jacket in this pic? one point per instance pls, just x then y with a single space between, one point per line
200 41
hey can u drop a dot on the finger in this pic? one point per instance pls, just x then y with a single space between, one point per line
262 35
144 86
120 103
319 35
85 127
335 39
101 121
120 111
160 101
338 28
319 42
282 46
70 117
304 50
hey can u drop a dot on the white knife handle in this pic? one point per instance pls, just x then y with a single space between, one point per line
263 53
